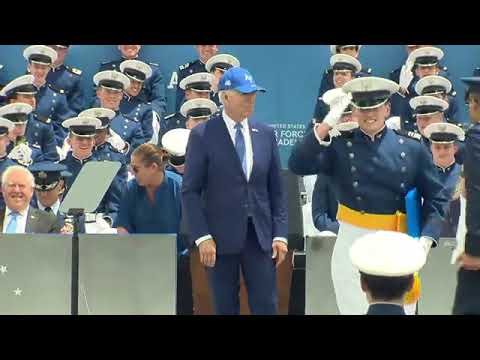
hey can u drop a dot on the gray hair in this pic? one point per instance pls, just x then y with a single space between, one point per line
222 93
11 169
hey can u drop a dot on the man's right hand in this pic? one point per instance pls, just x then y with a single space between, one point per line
208 252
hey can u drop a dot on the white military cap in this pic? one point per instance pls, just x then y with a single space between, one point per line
82 126
345 62
432 85
426 56
200 82
370 92
5 126
332 94
444 133
427 105
387 253
136 70
16 112
196 108
21 85
102 114
333 48
222 62
40 54
175 143
113 80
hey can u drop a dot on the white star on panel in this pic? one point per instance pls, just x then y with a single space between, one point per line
17 292
3 269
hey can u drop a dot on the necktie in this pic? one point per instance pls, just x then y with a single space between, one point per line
240 147
48 209
12 225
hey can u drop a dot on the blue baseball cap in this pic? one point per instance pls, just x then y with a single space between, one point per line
239 79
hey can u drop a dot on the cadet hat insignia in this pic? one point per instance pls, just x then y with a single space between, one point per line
42 175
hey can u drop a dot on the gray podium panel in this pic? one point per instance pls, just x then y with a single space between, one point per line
438 279
134 274
35 273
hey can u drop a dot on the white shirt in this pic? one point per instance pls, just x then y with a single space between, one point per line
21 220
246 135
55 207
249 158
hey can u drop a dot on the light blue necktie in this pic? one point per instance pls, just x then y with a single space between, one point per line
240 147
12 225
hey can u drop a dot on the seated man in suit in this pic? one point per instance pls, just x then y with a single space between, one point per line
19 217
387 261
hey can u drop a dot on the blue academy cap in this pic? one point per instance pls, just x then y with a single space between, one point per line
239 79
47 174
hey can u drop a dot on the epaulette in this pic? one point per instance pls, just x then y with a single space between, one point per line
369 71
54 88
43 119
453 93
169 116
105 62
152 63
74 70
185 66
409 134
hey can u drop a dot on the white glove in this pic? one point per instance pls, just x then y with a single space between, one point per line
426 242
117 142
394 123
337 107
406 75
22 154
63 151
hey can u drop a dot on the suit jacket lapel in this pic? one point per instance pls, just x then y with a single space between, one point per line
254 137
2 218
31 220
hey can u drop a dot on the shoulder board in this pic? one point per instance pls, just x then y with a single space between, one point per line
185 66
369 71
43 119
409 134
105 62
54 88
74 70
152 63
453 93
169 116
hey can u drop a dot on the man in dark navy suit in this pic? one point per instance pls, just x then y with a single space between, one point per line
234 199
387 261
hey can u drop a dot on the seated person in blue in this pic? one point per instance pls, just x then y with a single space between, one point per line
108 148
195 86
440 87
423 62
81 140
38 133
6 126
205 52
51 102
67 78
152 205
133 106
444 138
217 66
343 69
387 262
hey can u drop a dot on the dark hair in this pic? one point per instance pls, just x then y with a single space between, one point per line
387 288
151 154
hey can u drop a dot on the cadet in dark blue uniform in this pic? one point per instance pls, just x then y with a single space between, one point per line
132 106
67 78
327 82
423 62
373 168
343 69
443 138
51 102
6 126
104 150
195 86
217 65
110 87
37 135
205 52
387 262
81 141
467 296
153 90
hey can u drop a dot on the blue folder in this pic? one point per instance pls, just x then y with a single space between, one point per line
413 206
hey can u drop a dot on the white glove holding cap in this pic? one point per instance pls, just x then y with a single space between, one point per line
337 107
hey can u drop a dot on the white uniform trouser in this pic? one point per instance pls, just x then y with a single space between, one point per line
351 300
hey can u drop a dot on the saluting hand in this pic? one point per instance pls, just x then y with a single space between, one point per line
280 250
208 252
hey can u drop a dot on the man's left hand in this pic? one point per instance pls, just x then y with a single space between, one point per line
280 250
469 262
